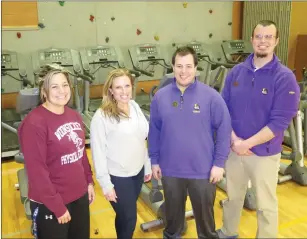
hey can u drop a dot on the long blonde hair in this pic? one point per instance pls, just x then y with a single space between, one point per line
109 104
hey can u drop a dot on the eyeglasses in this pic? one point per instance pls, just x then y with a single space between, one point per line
266 37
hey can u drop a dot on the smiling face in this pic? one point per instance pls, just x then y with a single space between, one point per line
58 92
264 40
121 89
184 69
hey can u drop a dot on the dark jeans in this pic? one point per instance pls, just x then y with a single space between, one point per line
202 196
49 228
127 191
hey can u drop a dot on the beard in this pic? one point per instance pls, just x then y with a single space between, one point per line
261 55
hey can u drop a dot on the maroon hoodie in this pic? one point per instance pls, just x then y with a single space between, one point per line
55 157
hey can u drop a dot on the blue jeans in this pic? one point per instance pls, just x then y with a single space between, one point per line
127 191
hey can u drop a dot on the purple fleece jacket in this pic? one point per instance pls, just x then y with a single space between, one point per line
190 132
268 96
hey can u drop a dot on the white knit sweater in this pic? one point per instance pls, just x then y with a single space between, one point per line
119 149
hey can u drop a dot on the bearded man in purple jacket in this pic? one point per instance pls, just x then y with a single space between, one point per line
262 96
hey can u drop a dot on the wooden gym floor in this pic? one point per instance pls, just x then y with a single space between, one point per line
292 212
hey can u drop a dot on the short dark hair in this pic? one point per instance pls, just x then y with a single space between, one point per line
183 51
266 23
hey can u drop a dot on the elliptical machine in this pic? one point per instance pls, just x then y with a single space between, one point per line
94 59
27 100
146 56
224 57
297 171
11 62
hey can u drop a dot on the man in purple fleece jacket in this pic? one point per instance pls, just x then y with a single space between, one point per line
189 141
262 96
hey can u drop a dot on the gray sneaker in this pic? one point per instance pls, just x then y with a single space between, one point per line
222 235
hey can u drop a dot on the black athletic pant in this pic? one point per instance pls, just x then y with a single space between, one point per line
202 196
78 227
127 190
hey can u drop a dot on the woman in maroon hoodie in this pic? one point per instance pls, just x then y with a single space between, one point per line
52 140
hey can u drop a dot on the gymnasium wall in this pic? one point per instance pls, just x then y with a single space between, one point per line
69 26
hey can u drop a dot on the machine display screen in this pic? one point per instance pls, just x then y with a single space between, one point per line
5 58
53 54
196 47
103 52
237 45
148 49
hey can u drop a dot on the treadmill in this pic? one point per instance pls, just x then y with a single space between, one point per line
94 59
144 56
14 78
66 58
236 51
297 140
223 57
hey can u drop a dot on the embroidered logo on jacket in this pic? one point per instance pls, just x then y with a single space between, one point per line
175 104
264 91
196 108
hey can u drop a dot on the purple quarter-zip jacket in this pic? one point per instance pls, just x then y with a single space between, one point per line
189 132
268 96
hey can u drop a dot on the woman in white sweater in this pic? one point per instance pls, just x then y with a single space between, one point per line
118 133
